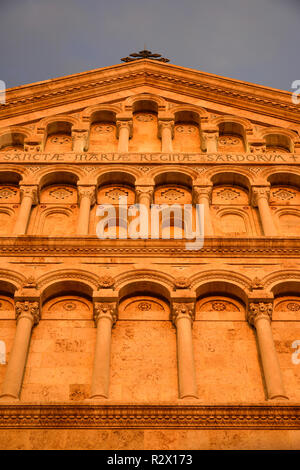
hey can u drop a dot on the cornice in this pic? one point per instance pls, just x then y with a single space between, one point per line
31 245
75 88
150 416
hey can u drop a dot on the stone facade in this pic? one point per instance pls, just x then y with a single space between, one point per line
143 343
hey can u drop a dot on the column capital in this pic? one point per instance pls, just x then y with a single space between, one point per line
28 309
147 190
258 311
259 192
30 191
124 124
210 133
87 191
165 124
79 135
203 191
105 310
181 310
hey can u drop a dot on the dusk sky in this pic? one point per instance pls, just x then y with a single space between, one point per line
253 40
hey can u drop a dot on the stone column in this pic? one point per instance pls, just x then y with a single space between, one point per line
79 139
28 315
124 132
86 196
166 134
182 317
144 195
260 198
211 140
202 195
29 197
105 315
260 315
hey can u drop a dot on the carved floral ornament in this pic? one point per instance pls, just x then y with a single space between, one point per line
182 283
256 284
116 193
6 192
103 128
283 194
60 139
185 129
228 194
143 117
293 306
229 140
144 306
172 194
106 282
30 283
258 311
60 193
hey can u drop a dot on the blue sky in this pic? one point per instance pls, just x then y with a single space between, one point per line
253 40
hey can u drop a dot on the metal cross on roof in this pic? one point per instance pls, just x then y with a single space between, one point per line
144 55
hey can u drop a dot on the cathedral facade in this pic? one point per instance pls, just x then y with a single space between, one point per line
144 342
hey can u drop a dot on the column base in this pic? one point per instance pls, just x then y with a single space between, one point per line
97 397
7 397
278 397
189 397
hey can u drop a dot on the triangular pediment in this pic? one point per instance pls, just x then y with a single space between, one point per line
177 85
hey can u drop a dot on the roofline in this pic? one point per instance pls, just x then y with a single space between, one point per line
132 64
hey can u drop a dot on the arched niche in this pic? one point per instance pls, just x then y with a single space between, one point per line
60 361
278 143
225 351
145 127
103 132
232 212
232 223
12 142
286 329
285 202
57 212
9 201
58 137
186 132
111 188
7 325
289 222
172 189
143 359
231 137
